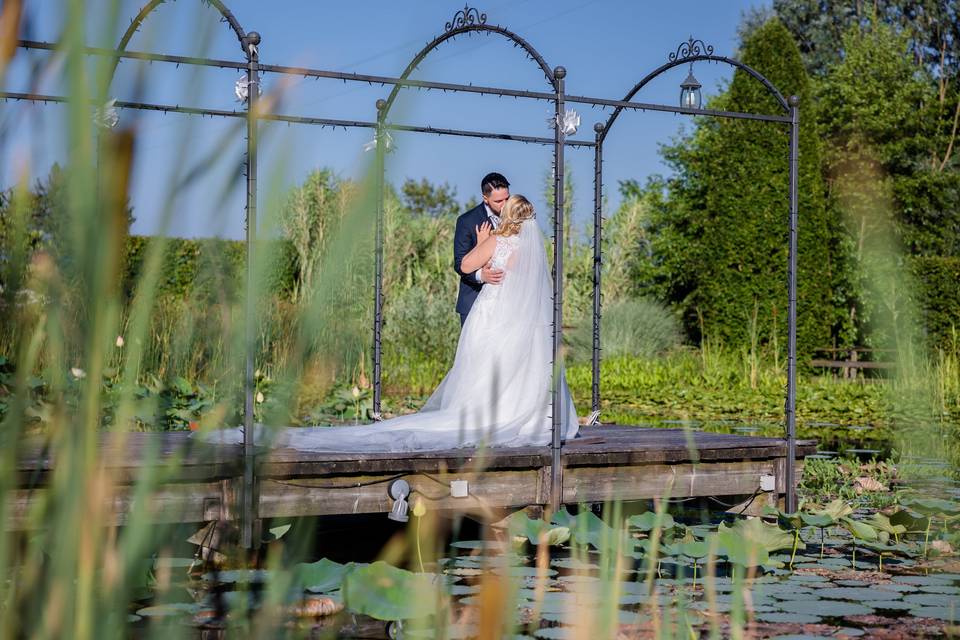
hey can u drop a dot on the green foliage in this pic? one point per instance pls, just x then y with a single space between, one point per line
826 479
937 293
384 592
930 27
888 112
210 269
420 337
719 245
309 219
631 327
423 198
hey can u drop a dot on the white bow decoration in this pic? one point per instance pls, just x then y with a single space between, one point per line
568 124
242 88
107 116
387 143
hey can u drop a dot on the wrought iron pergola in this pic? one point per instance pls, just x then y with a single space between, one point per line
466 21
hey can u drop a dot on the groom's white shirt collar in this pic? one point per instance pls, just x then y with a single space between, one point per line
490 212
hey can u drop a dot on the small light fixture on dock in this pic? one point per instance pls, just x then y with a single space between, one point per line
399 490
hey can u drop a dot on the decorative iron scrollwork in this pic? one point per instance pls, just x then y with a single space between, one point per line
466 16
691 48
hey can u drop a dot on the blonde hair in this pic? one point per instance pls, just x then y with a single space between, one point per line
514 212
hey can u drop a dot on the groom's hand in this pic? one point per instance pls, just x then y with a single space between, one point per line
489 275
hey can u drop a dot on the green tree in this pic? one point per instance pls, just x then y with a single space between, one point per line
427 199
719 245
311 216
875 107
887 71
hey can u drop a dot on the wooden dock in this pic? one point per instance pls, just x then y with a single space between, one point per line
199 482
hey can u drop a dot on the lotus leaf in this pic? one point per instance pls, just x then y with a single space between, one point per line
647 521
385 592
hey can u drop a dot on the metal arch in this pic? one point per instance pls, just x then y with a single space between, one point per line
148 8
686 60
518 41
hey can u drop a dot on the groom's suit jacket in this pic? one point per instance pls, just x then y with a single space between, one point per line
465 239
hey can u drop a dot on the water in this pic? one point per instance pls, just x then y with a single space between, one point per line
551 594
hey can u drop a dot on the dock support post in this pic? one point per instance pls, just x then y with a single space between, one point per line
558 419
791 405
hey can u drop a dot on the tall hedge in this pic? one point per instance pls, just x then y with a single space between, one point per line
937 296
720 243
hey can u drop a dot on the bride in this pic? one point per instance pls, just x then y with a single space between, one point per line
498 391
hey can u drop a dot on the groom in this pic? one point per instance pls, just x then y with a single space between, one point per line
495 191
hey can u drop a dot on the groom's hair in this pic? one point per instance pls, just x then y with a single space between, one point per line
493 181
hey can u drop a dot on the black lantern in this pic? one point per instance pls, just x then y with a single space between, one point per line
690 97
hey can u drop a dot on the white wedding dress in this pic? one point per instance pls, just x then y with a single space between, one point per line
498 391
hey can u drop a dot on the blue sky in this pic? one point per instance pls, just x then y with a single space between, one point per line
605 45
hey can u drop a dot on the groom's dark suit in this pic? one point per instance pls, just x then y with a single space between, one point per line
465 239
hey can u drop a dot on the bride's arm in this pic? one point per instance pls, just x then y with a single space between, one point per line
479 255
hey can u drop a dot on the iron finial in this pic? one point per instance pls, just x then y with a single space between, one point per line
692 47
465 17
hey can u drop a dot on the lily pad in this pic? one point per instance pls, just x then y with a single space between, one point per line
648 520
835 510
574 564
797 595
808 577
695 549
523 572
769 537
798 618
859 529
921 581
857 594
588 528
827 608
321 576
933 506
896 586
932 600
521 526
385 592
478 544
936 588
451 632
947 614
889 605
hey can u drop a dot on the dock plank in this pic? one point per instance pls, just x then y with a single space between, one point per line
201 480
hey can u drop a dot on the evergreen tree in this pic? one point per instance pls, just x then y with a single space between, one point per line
719 246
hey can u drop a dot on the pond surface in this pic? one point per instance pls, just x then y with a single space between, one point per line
659 575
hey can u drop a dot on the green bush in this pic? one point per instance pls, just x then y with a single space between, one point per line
639 327
937 281
211 269
420 334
